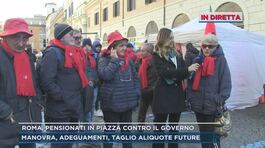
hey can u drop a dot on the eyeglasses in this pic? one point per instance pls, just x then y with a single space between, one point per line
208 46
19 38
77 38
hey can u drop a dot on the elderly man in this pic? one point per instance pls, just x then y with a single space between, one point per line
63 78
78 37
148 78
20 97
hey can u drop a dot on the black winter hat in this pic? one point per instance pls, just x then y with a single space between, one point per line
87 42
60 30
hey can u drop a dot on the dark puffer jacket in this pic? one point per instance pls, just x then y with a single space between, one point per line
25 109
120 90
213 90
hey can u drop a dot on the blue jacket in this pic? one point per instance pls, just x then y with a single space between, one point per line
213 90
95 52
120 91
62 86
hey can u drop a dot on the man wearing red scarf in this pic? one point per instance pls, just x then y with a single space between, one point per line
63 78
148 78
20 96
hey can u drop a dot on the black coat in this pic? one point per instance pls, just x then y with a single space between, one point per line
169 98
62 86
25 109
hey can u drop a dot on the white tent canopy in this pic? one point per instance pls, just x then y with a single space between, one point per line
245 53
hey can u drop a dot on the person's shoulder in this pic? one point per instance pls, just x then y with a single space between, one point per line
156 55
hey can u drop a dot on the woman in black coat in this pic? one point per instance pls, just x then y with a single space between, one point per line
169 95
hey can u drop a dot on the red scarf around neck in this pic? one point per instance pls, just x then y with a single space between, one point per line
207 69
105 52
22 67
143 71
92 61
74 58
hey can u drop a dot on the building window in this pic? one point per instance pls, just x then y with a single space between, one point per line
71 9
130 5
65 14
231 7
149 1
96 20
116 9
105 14
88 22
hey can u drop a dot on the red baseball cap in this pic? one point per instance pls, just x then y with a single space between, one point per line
14 26
114 37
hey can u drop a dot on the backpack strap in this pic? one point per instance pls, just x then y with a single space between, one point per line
57 52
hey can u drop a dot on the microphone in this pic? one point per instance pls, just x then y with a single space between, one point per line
199 59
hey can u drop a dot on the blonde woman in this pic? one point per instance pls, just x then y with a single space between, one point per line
169 95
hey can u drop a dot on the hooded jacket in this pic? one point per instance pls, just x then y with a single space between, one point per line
95 52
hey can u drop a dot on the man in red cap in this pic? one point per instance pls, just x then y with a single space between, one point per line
20 96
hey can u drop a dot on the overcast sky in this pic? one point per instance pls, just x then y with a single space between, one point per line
23 8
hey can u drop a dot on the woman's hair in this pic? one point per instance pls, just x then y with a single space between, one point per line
210 38
162 37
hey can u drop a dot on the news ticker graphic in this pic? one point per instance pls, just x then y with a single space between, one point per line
221 17
114 133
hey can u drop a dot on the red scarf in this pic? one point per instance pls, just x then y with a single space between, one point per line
22 67
92 61
126 61
105 52
74 58
143 71
207 69
130 53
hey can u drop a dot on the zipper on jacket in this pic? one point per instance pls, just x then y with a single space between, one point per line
30 116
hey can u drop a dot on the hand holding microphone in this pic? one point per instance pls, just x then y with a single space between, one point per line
193 68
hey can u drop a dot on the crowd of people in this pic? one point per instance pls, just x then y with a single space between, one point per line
75 76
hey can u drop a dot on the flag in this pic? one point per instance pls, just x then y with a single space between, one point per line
210 27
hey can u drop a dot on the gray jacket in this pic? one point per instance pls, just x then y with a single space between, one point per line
213 90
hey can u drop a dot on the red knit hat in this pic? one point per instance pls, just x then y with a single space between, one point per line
114 37
14 26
